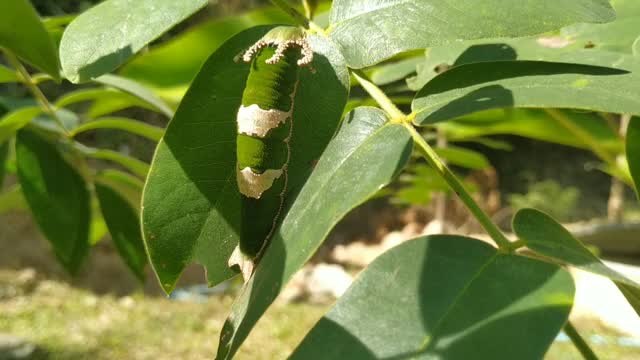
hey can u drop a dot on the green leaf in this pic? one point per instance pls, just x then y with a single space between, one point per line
22 32
123 99
532 123
124 227
174 64
57 196
16 120
129 186
105 36
463 157
137 90
191 203
140 168
12 200
133 126
8 75
632 294
389 73
633 151
445 297
4 153
368 30
482 86
545 236
366 154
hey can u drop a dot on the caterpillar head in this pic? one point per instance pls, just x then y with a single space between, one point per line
282 38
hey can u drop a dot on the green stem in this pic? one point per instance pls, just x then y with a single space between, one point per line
579 342
295 14
34 89
379 96
583 135
455 184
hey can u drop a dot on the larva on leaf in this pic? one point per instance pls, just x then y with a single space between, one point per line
265 124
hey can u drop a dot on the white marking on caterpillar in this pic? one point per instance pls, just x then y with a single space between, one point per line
253 185
255 121
281 47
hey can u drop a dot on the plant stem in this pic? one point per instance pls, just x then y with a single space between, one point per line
455 184
34 89
295 14
583 135
379 96
579 342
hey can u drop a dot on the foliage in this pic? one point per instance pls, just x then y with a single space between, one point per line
548 196
457 289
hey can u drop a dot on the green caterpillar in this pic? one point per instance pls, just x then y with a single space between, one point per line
265 125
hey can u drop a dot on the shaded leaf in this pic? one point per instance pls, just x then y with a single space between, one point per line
151 132
445 297
22 32
368 31
633 152
532 123
366 154
137 90
632 294
105 36
191 203
122 99
12 200
8 75
57 196
388 73
482 86
545 236
16 120
124 227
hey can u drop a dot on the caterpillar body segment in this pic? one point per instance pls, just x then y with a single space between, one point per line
265 126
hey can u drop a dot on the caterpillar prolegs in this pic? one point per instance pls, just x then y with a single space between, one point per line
265 124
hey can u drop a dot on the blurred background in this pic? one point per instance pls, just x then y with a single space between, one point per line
509 160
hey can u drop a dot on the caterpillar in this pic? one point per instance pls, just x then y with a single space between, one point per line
265 126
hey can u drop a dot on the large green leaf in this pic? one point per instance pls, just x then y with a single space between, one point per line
368 30
124 227
445 297
535 124
633 151
133 126
102 38
22 32
366 154
545 236
175 63
16 120
533 84
57 195
191 203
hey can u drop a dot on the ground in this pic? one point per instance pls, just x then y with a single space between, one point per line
72 323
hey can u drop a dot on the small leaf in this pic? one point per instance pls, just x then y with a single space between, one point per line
105 36
368 31
366 154
633 152
97 94
482 86
545 236
445 297
136 166
22 32
129 186
396 71
12 200
463 157
8 75
16 120
4 153
632 294
151 132
123 224
135 89
58 197
191 203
